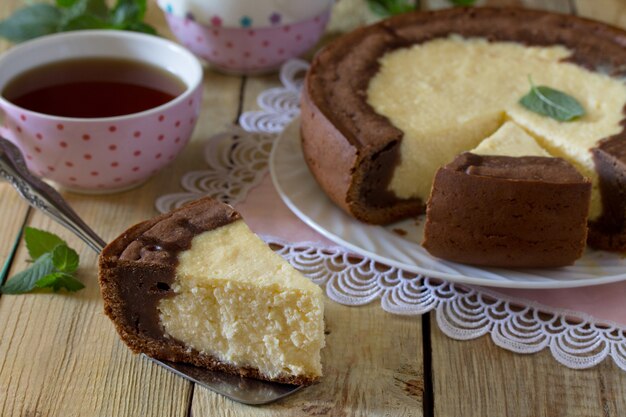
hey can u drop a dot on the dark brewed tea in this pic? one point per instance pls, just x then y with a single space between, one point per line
93 87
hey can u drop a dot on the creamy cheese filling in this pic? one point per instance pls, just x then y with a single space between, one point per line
242 303
448 94
510 140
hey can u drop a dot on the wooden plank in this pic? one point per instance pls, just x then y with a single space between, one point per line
60 354
478 378
13 211
372 367
608 11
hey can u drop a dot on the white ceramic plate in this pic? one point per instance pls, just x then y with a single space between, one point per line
304 197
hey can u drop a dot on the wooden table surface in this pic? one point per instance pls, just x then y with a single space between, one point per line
60 356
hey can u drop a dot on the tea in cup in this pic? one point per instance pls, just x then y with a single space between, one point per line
99 111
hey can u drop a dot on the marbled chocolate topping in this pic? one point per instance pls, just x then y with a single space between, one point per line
138 268
335 95
609 231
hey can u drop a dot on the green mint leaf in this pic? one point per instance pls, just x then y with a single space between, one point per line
31 22
39 242
141 27
385 8
401 7
95 8
54 263
65 259
552 103
66 15
66 3
85 21
25 281
463 2
126 12
59 280
378 8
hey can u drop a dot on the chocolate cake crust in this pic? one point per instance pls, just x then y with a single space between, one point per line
142 262
609 231
137 269
530 168
508 211
352 151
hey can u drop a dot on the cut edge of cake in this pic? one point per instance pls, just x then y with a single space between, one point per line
138 271
521 211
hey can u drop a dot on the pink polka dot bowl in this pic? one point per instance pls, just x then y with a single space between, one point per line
101 155
247 48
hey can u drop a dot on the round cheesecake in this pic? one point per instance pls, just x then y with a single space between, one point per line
196 285
384 107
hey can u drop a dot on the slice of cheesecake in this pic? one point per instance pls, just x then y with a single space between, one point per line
196 285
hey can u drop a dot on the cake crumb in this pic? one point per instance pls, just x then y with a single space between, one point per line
400 232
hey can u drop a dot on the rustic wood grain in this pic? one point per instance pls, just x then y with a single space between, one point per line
372 367
13 214
477 378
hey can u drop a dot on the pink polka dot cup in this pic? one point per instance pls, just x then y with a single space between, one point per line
244 37
109 154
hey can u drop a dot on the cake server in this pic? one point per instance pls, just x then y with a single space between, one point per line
45 198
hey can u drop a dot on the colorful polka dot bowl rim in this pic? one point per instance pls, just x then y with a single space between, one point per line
237 50
102 155
245 14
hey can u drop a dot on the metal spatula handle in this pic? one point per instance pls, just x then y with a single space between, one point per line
45 198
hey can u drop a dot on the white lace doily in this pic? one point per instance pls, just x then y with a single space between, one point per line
237 161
